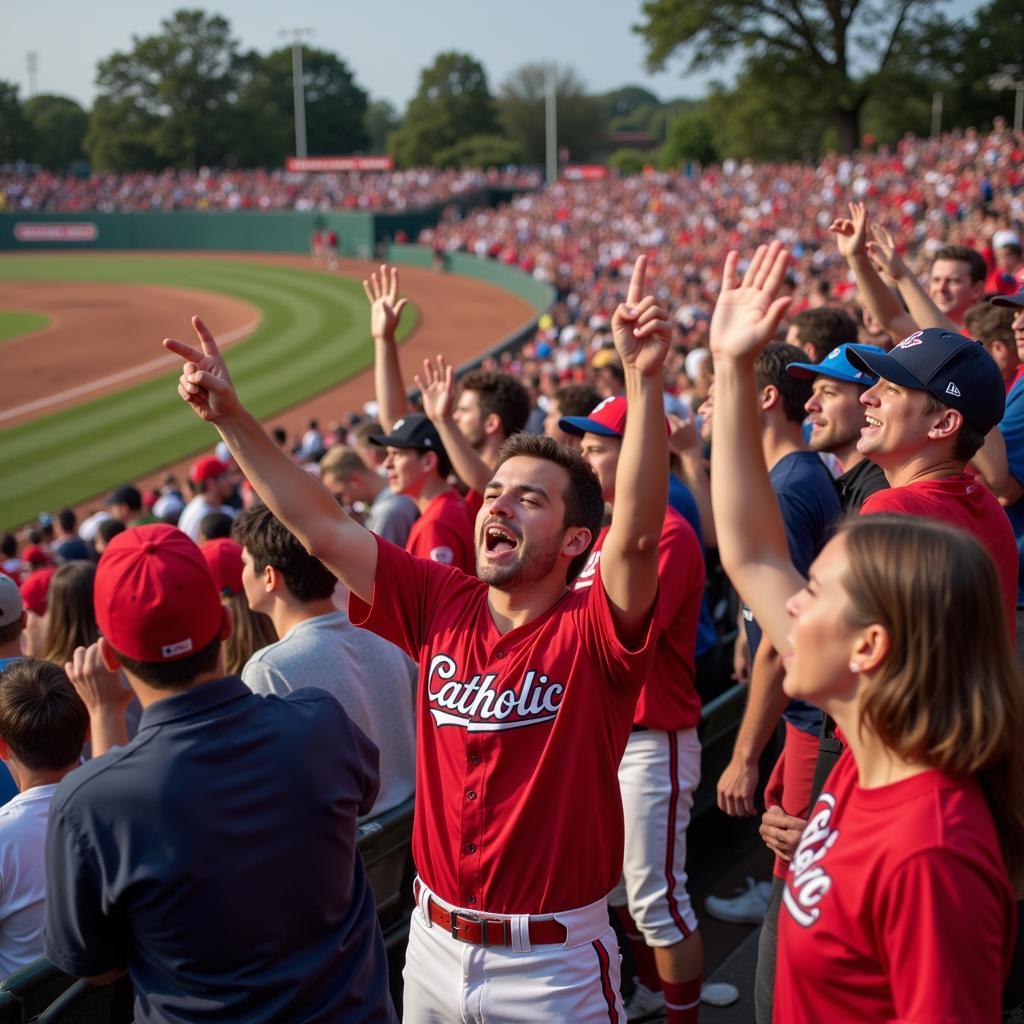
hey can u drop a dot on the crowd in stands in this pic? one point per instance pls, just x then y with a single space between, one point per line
798 373
209 189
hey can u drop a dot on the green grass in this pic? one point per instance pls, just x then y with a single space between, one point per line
313 335
16 322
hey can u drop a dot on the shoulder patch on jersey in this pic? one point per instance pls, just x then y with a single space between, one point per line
443 555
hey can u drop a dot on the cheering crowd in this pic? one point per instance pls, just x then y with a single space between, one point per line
207 189
495 598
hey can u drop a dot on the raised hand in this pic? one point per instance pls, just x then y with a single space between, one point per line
851 232
205 382
385 305
641 327
437 389
748 313
882 251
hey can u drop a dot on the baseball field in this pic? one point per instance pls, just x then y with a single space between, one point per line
89 398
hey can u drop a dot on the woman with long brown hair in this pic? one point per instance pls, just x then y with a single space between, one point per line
70 620
898 903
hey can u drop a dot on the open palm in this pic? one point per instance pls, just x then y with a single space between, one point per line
437 389
385 305
748 313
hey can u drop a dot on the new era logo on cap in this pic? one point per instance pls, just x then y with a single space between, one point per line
930 359
176 650
412 431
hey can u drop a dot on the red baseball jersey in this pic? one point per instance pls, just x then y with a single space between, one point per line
961 501
669 698
897 906
444 533
519 737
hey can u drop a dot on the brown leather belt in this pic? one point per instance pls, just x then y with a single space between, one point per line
487 931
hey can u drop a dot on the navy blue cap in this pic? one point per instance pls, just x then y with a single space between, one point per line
837 367
412 431
952 368
1008 300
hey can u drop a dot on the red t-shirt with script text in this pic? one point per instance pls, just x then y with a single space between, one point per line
897 906
669 699
519 737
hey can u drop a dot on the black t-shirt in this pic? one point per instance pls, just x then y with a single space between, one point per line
858 484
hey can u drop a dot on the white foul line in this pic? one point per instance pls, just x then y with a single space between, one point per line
117 378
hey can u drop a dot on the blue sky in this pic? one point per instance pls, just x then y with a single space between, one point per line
385 42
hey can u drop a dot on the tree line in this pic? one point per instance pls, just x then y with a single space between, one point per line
813 75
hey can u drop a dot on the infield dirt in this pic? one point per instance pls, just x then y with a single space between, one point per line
458 317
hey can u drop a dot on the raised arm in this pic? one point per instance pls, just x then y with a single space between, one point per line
437 387
994 469
883 253
385 314
851 238
751 537
686 443
299 500
629 557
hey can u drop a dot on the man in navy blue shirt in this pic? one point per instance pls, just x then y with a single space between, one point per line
213 857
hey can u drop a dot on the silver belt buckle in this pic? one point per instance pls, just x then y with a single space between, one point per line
485 924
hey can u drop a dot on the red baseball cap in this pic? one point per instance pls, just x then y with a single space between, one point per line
35 555
224 557
154 597
206 468
35 590
608 419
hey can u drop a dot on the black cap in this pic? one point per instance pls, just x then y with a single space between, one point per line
1008 300
412 431
126 494
952 368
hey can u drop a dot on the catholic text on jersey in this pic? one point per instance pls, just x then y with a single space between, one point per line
477 704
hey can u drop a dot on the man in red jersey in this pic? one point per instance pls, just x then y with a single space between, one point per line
660 769
938 395
418 467
527 691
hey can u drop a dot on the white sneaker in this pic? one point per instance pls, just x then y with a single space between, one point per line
748 906
644 1004
719 993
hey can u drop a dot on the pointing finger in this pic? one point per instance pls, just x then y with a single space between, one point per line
636 282
179 348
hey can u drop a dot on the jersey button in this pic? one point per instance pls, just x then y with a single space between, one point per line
475 759
500 654
470 900
471 795
470 847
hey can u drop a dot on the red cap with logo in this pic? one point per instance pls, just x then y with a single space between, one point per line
224 557
154 596
206 468
35 590
608 418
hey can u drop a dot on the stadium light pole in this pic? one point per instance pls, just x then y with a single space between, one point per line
551 122
1011 77
296 35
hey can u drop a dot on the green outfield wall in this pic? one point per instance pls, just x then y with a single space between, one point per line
186 229
361 235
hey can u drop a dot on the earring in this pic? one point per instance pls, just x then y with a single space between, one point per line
854 667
